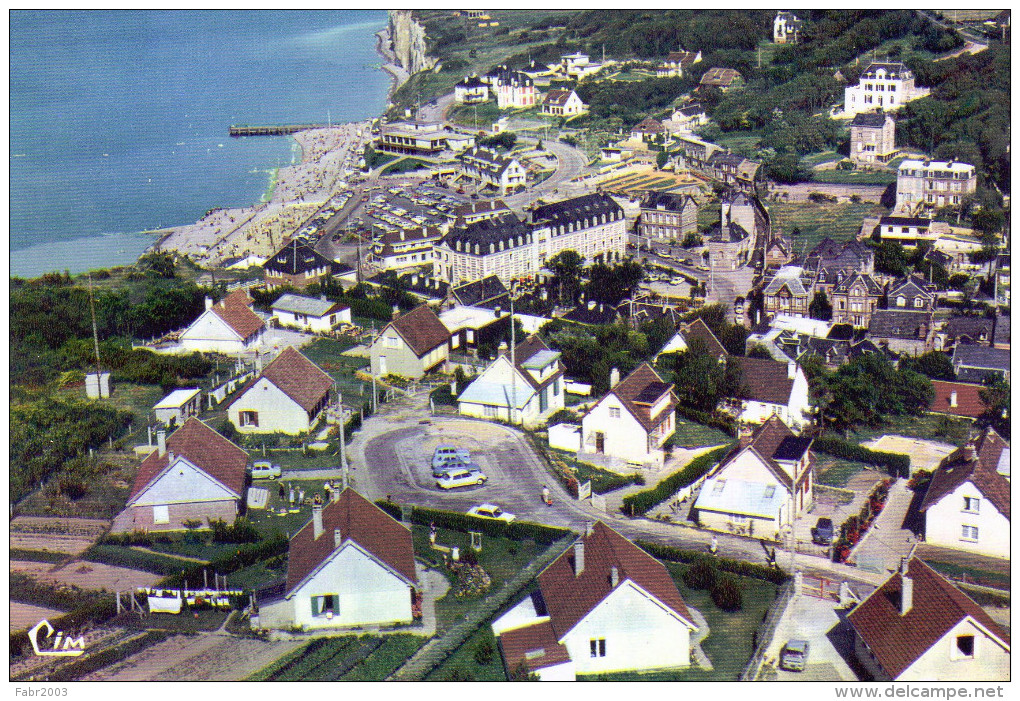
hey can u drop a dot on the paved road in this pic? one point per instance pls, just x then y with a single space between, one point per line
571 161
392 454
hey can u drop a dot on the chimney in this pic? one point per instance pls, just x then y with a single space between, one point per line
578 558
161 442
322 298
614 377
503 347
208 302
396 311
970 452
591 304
338 537
414 279
614 576
906 593
317 518
791 370
952 398
744 433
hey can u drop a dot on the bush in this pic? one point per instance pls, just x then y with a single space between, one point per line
701 575
240 531
737 567
726 594
640 503
897 465
484 653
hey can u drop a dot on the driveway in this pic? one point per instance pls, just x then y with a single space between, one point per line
817 621
887 541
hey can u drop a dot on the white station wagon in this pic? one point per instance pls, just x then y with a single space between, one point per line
460 478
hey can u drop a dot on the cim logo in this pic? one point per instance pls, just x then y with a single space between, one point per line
72 647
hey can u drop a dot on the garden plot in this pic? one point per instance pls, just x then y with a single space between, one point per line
24 616
58 535
96 575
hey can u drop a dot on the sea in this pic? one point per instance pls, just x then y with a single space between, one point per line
118 119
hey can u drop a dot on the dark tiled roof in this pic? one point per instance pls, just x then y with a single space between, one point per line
981 357
772 441
893 70
897 641
905 221
764 380
1001 336
599 314
487 207
635 394
869 119
692 110
968 399
981 471
841 332
577 209
731 233
508 230
722 77
472 81
482 292
487 160
699 329
970 326
359 521
871 287
569 597
295 258
202 447
893 323
299 378
649 126
421 329
526 350
558 97
669 201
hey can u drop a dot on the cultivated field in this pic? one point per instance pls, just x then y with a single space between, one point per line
24 616
87 575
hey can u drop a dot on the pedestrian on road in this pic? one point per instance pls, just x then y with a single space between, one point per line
283 492
714 547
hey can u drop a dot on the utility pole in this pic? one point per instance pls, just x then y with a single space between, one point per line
95 339
513 359
343 436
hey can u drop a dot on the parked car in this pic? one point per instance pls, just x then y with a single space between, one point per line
794 655
444 452
460 478
491 511
453 463
264 469
823 532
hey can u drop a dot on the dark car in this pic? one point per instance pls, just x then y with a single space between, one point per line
823 532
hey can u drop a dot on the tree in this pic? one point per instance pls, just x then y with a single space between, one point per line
820 308
868 388
566 266
995 396
660 159
611 284
934 364
787 168
701 379
890 258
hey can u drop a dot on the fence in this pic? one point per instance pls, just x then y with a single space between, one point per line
766 631
438 649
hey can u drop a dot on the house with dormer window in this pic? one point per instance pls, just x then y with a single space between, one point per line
854 299
527 393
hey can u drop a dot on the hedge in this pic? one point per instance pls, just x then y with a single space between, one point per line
91 663
897 464
518 530
723 423
738 567
135 559
244 556
641 502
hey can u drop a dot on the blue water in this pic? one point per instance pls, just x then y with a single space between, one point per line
118 120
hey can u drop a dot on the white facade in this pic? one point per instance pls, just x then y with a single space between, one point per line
177 406
610 429
569 107
796 413
265 408
933 184
363 592
211 334
965 520
309 322
639 632
885 86
491 395
604 237
182 483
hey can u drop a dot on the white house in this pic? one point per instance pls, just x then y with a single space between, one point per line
228 326
471 90
772 388
176 407
536 382
761 486
563 103
351 565
310 314
786 28
918 627
287 397
967 503
194 475
886 86
686 333
633 419
411 344
603 606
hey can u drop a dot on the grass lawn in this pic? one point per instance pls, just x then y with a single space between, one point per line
345 657
927 426
486 113
813 159
835 472
694 435
853 177
123 556
816 220
296 460
462 665
602 481
501 558
138 399
259 574
999 580
744 143
728 645
202 550
267 520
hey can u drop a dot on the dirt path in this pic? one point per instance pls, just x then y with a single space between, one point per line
197 658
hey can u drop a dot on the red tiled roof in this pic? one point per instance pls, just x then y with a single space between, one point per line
630 392
720 76
535 646
981 471
421 329
297 377
764 380
235 311
557 97
202 447
898 641
359 521
569 597
699 329
968 399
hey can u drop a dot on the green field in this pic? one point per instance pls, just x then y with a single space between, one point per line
816 220
835 472
344 658
853 177
463 665
928 426
405 165
740 142
689 434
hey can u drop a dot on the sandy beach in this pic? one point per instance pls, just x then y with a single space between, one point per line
328 157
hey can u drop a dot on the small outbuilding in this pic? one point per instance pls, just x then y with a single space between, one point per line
175 408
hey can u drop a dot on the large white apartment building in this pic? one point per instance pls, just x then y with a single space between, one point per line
592 225
933 184
885 86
